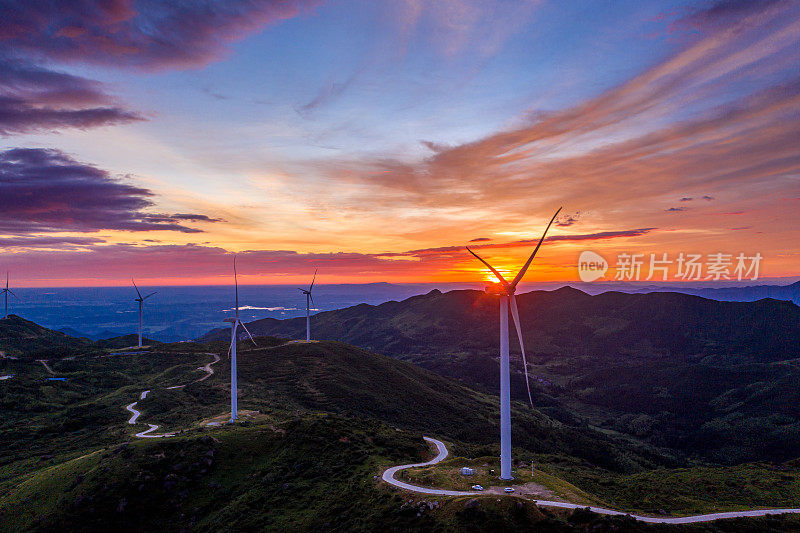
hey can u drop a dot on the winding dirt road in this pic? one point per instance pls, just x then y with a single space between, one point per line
388 476
131 407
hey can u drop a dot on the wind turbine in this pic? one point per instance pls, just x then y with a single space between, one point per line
309 301
506 290
141 300
235 322
6 291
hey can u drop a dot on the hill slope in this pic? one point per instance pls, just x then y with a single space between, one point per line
23 338
332 416
315 473
676 370
560 322
335 377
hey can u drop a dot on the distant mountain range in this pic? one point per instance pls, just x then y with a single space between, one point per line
676 370
748 293
565 321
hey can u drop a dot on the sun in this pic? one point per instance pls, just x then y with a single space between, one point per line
491 278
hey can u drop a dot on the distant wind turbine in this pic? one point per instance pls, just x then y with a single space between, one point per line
309 301
235 322
506 292
141 300
6 292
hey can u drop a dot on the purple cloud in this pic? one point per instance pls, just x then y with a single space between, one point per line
723 13
46 190
450 250
143 34
34 99
60 243
480 239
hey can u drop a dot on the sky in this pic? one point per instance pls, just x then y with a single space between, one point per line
375 139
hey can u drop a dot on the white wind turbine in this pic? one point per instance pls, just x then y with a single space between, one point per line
6 292
235 323
309 301
506 292
141 300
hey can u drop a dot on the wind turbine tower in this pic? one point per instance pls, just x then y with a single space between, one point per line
309 301
141 300
235 323
6 292
506 290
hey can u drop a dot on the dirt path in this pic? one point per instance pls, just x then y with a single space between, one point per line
46 366
131 407
388 476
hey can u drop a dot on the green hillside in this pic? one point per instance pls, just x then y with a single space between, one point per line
319 422
25 339
336 377
124 341
310 473
675 370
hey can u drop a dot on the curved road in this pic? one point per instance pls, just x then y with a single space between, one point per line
388 476
146 434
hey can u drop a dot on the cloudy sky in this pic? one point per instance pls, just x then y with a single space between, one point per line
374 139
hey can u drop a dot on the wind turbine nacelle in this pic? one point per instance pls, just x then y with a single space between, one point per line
231 320
497 289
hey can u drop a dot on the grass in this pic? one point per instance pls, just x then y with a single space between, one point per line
330 418
541 485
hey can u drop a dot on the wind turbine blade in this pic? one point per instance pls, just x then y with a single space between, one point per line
6 279
236 283
149 295
312 280
515 314
495 272
137 288
230 347
248 333
302 290
521 273
12 293
312 299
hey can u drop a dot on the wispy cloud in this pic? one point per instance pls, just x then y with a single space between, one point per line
522 243
331 91
719 114
480 27
144 34
724 13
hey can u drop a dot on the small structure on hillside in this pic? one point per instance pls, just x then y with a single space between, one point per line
466 471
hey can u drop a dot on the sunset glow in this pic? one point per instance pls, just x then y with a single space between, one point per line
375 140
